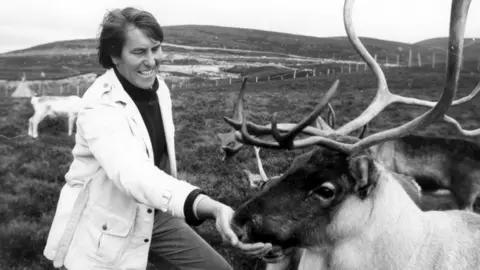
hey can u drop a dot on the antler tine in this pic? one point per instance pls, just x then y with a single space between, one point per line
458 18
425 103
286 140
238 109
466 133
446 118
246 138
383 96
259 164
259 130
331 117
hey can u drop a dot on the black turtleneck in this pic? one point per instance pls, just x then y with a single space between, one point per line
147 104
146 101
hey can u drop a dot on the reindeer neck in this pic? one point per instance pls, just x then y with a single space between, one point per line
398 227
388 229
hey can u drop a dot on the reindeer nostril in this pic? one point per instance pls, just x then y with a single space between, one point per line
240 231
257 220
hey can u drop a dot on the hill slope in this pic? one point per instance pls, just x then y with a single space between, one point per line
71 57
471 47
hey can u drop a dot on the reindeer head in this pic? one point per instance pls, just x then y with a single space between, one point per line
331 191
300 208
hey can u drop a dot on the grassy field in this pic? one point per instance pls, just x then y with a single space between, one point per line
32 171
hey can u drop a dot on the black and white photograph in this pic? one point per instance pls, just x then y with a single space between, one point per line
240 135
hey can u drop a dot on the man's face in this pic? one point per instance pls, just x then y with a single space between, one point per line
140 58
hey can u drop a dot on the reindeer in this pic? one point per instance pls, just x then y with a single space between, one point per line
54 106
341 208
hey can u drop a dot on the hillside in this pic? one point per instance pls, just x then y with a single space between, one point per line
71 57
238 38
472 46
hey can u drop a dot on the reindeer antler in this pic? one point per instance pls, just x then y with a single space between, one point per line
335 139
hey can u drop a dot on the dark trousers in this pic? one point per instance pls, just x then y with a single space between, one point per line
175 245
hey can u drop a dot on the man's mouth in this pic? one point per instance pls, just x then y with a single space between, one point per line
146 73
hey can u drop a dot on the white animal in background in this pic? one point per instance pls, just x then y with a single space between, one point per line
54 106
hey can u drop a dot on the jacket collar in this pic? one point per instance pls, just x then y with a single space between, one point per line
119 95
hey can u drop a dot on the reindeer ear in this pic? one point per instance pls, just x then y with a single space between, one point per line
362 169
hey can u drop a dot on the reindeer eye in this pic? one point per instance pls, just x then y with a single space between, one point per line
325 192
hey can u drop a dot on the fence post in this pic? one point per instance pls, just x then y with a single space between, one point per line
328 72
433 60
216 82
398 59
295 74
365 66
410 58
349 67
419 59
256 79
314 69
78 90
356 67
230 81
386 60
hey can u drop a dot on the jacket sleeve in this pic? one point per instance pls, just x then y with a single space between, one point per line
107 134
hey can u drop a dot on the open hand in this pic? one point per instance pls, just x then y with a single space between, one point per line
224 215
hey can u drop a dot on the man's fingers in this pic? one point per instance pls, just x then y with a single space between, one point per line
257 253
254 246
227 234
254 249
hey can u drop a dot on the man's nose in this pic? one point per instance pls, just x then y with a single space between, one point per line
150 60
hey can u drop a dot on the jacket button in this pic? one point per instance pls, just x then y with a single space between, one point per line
104 227
146 240
149 211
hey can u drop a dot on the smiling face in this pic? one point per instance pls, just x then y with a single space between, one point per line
140 58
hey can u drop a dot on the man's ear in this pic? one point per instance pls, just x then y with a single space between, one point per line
363 170
115 60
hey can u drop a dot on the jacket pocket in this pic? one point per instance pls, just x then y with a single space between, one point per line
111 233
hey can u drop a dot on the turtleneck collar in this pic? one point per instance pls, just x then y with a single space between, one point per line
136 93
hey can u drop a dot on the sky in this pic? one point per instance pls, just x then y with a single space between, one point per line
26 23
